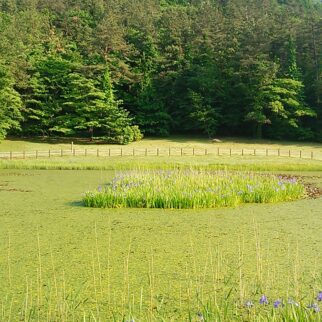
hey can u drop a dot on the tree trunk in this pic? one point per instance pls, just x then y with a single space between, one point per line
91 131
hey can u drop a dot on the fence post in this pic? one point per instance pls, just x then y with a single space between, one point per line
10 155
61 152
72 146
312 155
181 152
109 152
193 151
158 151
254 151
242 152
289 153
85 152
169 151
218 151
206 152
300 153
279 152
36 154
146 152
133 152
267 152
229 151
98 152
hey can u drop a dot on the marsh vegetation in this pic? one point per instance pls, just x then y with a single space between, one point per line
182 189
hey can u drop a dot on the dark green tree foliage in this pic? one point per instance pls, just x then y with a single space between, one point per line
10 104
285 104
285 98
44 96
151 113
62 99
94 68
114 120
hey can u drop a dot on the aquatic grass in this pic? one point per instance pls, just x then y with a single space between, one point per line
191 189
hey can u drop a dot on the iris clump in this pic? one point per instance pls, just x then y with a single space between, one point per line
319 297
277 304
184 189
263 300
314 307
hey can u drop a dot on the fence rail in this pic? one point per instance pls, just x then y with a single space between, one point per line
171 151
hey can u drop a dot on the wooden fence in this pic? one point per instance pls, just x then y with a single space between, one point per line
171 151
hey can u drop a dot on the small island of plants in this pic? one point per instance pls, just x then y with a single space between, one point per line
184 189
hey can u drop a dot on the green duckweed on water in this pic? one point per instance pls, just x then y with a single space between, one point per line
60 261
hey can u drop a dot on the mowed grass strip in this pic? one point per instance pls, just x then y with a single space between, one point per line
33 144
185 189
239 163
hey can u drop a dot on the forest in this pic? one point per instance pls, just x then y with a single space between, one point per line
120 69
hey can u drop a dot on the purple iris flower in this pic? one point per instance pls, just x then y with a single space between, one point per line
277 304
319 297
315 307
263 300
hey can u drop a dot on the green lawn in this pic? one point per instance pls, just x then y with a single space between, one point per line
61 261
177 141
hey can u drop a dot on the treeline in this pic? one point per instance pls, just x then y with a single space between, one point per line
117 68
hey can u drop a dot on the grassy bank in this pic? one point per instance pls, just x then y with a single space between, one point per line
33 144
258 163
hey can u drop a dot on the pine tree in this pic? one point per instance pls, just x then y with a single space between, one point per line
115 121
44 96
37 111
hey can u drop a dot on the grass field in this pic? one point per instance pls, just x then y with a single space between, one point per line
178 141
204 162
60 261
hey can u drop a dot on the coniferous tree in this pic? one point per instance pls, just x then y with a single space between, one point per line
115 121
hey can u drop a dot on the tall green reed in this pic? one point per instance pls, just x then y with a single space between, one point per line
182 189
214 288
